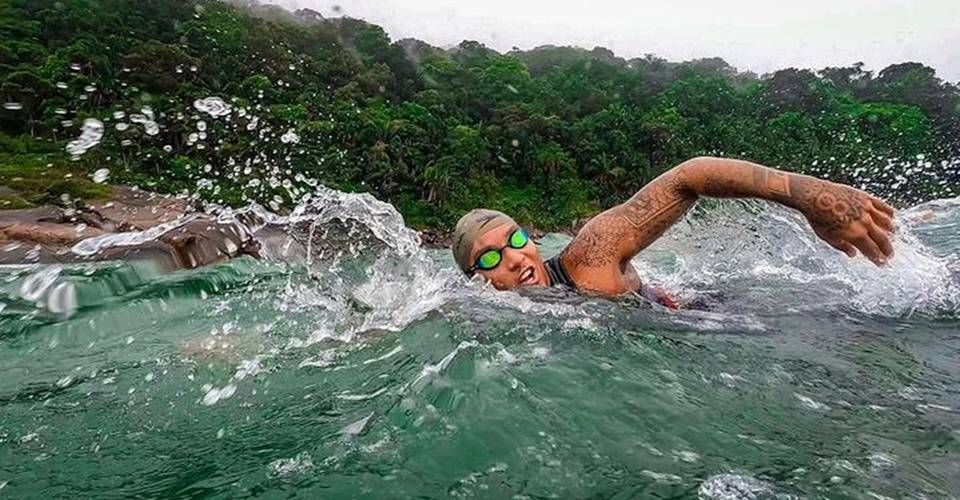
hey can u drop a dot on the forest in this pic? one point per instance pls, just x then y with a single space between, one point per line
240 102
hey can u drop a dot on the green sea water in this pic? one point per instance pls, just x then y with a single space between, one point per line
381 373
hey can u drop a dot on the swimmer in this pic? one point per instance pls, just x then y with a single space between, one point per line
597 260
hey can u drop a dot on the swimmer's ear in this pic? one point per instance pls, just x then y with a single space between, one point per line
486 283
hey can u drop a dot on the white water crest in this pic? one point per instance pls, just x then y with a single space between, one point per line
290 466
90 136
96 244
367 268
37 284
761 251
734 487
48 290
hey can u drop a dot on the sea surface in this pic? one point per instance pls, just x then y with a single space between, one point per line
352 363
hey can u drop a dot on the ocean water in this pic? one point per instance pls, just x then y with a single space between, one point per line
351 363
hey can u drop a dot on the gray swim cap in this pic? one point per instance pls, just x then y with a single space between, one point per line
470 227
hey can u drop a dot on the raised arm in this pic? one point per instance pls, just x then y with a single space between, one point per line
848 219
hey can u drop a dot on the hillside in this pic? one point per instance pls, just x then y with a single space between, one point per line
550 135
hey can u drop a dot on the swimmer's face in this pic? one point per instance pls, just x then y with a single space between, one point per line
517 267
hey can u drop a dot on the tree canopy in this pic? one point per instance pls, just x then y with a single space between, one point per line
550 134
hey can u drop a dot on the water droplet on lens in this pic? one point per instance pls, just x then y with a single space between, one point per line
214 106
290 137
90 136
100 176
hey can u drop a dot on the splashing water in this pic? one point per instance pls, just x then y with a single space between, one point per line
771 248
100 175
90 136
348 359
146 119
92 246
351 358
290 137
214 106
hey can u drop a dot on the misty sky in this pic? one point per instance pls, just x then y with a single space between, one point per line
757 35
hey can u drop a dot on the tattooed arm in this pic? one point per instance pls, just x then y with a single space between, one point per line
846 218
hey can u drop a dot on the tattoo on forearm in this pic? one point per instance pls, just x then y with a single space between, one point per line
734 178
824 203
654 206
626 229
771 182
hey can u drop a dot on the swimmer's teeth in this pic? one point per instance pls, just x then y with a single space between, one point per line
526 275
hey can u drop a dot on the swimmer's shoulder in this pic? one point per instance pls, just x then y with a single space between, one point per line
598 276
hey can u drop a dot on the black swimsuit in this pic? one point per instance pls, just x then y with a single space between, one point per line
558 275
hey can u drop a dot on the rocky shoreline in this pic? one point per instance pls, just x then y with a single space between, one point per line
49 234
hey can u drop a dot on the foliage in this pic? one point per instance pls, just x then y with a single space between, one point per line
550 135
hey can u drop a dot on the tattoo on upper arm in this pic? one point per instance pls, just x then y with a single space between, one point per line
641 220
594 248
650 210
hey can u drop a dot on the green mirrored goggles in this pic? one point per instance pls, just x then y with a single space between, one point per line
491 258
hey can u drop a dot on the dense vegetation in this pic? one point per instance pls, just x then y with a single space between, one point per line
549 135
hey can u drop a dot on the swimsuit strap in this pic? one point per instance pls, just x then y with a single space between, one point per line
558 275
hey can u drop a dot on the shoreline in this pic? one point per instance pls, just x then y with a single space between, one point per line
47 233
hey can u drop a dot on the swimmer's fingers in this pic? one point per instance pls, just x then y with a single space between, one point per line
836 242
882 239
883 220
844 247
882 206
870 250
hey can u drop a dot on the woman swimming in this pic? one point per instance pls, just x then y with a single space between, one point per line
597 260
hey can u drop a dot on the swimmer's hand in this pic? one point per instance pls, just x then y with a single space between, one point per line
848 219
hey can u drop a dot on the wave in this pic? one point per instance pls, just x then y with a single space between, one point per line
350 262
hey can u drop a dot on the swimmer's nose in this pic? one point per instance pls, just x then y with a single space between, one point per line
512 259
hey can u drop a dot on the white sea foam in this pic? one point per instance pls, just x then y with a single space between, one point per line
734 487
